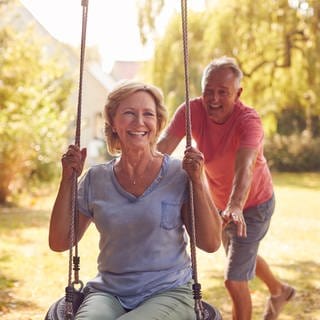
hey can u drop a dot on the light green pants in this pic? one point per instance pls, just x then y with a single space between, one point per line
175 304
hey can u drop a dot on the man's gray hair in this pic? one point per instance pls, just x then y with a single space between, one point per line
218 64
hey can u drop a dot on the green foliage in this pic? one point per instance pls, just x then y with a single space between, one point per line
293 121
33 117
148 10
276 44
294 153
167 67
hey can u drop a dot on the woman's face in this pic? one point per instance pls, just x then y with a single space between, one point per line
135 121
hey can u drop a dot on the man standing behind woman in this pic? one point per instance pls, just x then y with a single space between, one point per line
230 136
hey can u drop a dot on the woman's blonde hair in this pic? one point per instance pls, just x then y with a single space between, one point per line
120 92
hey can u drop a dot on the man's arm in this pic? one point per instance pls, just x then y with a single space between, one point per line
168 143
244 166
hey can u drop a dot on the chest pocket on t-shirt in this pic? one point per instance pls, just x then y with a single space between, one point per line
170 215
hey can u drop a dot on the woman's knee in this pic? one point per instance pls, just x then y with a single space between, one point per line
99 306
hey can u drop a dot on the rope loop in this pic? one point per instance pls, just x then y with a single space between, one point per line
80 283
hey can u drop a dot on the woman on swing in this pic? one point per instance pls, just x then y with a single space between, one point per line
139 204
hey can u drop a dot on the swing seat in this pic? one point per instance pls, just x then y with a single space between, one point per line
210 312
57 309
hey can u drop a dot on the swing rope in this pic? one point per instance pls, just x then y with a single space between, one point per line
196 285
74 223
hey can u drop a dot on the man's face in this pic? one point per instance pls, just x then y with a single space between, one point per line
219 95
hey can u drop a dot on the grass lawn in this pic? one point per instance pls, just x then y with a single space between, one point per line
32 277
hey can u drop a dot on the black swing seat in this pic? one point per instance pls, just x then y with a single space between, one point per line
57 309
210 312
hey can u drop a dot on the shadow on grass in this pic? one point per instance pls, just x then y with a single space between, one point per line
12 218
306 282
304 276
8 301
12 221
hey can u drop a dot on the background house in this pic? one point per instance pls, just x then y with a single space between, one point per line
96 83
125 69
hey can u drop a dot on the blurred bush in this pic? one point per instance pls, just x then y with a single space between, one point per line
293 153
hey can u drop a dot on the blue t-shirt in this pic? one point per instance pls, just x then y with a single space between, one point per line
142 239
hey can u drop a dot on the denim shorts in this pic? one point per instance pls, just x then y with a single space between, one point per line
242 252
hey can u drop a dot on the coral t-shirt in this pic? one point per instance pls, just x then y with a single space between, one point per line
220 142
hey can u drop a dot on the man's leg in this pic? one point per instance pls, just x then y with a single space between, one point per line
241 299
242 257
264 272
280 293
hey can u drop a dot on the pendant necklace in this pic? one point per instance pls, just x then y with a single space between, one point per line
133 180
146 170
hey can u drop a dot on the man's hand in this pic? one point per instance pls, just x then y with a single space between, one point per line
235 216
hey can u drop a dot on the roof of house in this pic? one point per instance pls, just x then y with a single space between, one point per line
21 18
126 69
